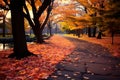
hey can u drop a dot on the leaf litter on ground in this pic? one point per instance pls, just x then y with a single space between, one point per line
105 42
32 67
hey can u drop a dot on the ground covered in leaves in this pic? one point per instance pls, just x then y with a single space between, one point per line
35 68
106 42
48 55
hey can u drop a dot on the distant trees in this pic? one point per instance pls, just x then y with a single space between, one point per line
100 15
103 14
64 15
90 17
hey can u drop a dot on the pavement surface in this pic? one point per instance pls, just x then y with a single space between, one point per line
88 61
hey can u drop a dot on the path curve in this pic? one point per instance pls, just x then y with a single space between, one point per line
88 61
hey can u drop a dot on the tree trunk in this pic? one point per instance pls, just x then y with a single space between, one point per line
50 31
99 35
56 29
78 33
94 32
49 28
41 37
89 32
38 34
112 34
17 18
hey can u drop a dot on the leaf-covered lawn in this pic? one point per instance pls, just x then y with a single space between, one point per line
35 68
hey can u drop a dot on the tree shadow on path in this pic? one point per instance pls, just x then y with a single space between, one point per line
88 61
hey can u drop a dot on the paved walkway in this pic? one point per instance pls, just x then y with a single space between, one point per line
87 62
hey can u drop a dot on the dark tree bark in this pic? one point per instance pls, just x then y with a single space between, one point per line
17 18
49 28
78 32
99 35
112 34
94 32
89 32
35 23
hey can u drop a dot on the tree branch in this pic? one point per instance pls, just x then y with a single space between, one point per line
43 7
34 10
49 9
29 20
27 16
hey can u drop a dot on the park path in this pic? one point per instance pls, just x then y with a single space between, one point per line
88 61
